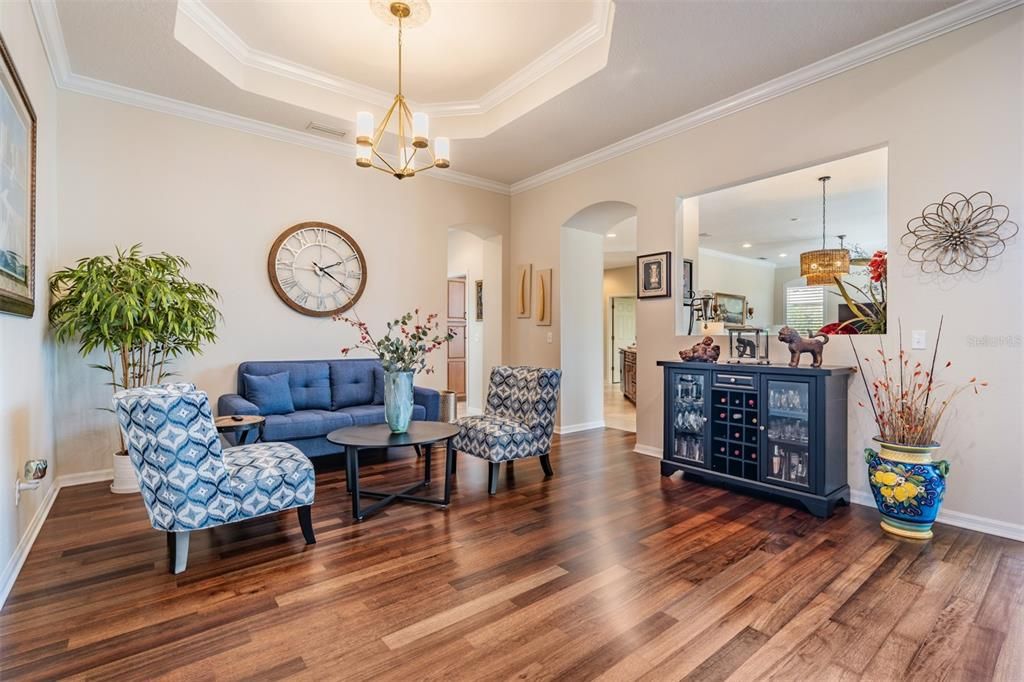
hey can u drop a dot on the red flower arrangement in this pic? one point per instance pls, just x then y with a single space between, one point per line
838 328
879 266
405 346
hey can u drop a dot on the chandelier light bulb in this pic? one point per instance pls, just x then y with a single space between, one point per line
442 152
420 129
364 128
363 156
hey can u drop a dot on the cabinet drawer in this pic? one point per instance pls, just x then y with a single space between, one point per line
731 379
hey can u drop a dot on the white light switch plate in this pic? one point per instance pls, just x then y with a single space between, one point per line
919 339
551 337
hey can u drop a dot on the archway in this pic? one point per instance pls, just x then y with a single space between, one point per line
597 239
475 254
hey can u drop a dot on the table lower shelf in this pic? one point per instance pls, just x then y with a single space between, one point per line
821 506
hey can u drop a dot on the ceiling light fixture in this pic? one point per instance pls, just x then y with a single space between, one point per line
822 266
414 154
782 255
747 245
611 234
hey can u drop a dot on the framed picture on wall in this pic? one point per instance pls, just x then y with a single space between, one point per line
654 275
732 309
479 300
687 281
17 192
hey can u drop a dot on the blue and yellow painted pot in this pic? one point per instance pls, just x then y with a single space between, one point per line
908 486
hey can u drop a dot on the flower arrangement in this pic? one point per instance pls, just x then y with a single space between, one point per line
869 312
905 399
405 346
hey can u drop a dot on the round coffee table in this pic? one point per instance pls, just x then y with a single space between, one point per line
420 434
241 427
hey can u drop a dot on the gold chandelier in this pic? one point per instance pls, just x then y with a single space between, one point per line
414 153
822 266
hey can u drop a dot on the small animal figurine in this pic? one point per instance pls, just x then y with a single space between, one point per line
799 345
706 350
745 348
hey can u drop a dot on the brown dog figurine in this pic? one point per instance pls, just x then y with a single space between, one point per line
799 345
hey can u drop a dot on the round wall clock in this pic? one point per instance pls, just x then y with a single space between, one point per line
317 269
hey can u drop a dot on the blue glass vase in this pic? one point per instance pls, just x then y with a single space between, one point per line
398 400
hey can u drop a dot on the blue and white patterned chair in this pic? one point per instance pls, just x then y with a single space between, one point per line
189 483
517 422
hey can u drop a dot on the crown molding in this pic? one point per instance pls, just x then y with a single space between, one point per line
47 20
930 27
725 255
596 29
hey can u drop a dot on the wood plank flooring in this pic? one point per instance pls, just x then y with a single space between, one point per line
606 571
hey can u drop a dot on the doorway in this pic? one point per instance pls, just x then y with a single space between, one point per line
457 347
623 332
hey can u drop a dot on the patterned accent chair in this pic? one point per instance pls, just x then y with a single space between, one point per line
517 422
189 483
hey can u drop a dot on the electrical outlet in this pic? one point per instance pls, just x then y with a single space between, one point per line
551 337
919 339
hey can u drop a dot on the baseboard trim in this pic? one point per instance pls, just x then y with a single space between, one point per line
585 426
1012 531
648 450
13 568
85 477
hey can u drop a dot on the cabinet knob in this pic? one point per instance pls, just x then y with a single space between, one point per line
761 427
704 420
732 380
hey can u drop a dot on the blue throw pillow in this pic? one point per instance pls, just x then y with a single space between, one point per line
270 393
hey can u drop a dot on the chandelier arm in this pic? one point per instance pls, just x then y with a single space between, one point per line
384 161
379 135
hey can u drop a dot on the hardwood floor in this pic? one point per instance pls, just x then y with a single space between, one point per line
605 571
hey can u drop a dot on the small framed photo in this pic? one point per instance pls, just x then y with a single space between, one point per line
687 281
654 275
479 300
732 309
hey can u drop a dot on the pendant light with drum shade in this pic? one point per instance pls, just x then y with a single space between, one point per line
411 129
823 265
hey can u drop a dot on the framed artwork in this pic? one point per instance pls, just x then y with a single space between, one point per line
687 281
654 275
17 192
524 280
544 298
732 309
479 300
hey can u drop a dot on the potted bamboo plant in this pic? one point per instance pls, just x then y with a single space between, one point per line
141 312
908 402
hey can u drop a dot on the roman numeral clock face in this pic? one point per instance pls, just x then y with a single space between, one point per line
317 269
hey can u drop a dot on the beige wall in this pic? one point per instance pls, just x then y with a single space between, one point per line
219 198
582 346
26 350
729 274
938 142
617 282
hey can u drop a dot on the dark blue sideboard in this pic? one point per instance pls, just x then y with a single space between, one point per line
764 428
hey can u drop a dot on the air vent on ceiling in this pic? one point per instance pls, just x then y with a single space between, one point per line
325 130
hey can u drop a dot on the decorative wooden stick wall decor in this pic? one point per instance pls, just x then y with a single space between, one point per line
524 277
544 298
959 233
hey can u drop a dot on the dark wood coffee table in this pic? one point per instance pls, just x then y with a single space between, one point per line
420 434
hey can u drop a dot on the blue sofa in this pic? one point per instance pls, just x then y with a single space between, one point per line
326 395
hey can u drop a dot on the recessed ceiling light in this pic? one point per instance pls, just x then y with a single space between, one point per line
782 255
704 234
747 245
611 234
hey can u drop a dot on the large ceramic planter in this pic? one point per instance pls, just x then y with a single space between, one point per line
908 486
398 400
125 478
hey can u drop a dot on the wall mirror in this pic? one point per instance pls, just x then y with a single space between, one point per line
763 258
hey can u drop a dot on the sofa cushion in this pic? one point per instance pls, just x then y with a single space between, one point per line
365 415
309 381
270 393
378 385
352 382
304 424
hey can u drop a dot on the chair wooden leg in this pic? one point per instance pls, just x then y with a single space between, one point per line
545 463
177 552
492 477
306 522
419 453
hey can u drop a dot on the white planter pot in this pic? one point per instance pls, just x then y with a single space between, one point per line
125 480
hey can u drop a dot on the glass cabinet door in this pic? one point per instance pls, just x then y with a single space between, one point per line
788 432
687 399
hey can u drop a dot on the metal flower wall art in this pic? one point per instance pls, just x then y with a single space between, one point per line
959 233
